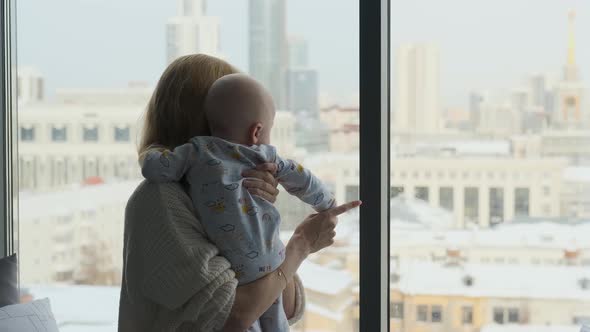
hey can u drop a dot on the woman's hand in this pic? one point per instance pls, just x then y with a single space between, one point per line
261 181
317 232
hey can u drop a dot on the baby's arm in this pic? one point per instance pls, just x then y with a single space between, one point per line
299 181
162 165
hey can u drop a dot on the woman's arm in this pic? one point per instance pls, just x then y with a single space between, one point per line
314 233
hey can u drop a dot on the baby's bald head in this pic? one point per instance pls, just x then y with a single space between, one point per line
236 105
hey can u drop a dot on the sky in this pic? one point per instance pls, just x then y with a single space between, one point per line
484 44
107 43
492 44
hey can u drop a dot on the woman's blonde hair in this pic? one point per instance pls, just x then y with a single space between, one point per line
175 112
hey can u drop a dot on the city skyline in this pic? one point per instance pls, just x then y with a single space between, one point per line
133 57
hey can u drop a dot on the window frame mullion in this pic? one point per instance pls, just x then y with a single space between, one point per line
8 126
374 165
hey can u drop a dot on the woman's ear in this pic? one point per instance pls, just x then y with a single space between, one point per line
255 133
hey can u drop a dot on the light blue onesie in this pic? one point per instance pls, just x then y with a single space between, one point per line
244 227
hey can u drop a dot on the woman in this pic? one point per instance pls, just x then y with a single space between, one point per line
173 277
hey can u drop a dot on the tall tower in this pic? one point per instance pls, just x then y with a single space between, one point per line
191 31
417 89
268 46
569 90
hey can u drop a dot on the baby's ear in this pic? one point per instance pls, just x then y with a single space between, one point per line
255 133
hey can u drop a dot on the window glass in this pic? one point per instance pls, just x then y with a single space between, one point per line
121 134
521 202
467 315
436 314
59 134
471 205
397 310
504 136
90 134
421 193
422 313
498 315
27 134
496 205
447 199
86 95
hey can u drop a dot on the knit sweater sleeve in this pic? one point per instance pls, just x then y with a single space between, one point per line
171 263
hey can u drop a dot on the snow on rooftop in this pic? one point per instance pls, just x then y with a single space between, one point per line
323 279
494 281
576 174
81 198
82 308
470 147
417 214
531 328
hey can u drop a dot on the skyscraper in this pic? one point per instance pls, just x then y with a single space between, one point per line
417 89
268 54
476 101
302 90
298 52
191 31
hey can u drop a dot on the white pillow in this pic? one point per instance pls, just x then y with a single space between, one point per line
28 317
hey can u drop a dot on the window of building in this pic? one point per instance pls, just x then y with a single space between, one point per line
122 134
496 205
467 315
90 134
498 315
27 134
421 193
546 191
471 204
59 134
397 310
521 202
436 314
395 191
446 198
422 313
513 316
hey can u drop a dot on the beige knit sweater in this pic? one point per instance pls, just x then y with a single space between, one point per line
173 277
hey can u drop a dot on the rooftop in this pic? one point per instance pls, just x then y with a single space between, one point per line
64 203
494 281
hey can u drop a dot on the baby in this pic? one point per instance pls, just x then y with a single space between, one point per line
244 227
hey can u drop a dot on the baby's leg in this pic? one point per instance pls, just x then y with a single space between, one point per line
274 319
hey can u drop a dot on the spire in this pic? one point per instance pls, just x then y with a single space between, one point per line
571 44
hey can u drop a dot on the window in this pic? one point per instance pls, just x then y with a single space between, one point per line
396 191
496 205
93 116
467 315
471 204
498 315
446 199
90 134
397 310
513 315
422 313
521 202
421 193
546 191
59 134
436 314
27 134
